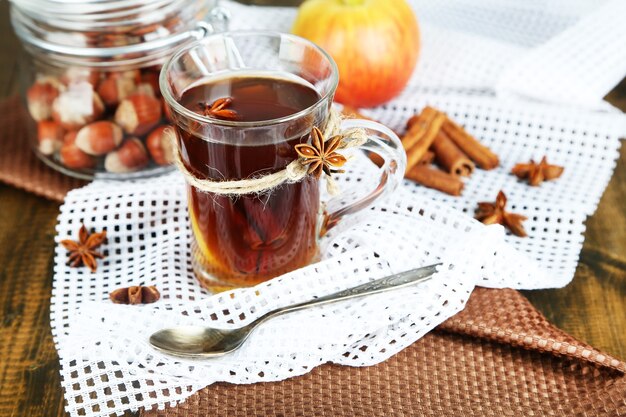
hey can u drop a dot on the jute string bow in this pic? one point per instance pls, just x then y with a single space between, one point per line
292 173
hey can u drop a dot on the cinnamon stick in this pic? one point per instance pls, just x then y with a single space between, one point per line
427 159
377 159
477 152
418 123
436 179
421 133
450 157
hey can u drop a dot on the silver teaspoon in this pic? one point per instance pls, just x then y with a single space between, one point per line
207 342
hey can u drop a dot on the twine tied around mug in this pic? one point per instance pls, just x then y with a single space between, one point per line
292 173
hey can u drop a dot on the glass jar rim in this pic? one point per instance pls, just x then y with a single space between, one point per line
168 95
199 32
82 7
90 15
34 32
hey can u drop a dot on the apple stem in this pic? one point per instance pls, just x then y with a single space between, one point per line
353 2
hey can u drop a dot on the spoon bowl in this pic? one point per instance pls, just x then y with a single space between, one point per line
197 341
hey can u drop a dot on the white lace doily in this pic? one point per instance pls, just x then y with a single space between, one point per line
107 365
104 346
578 66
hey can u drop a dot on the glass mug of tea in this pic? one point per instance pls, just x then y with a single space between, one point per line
241 102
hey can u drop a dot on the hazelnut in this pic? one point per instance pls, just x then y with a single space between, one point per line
114 89
40 97
134 75
49 137
145 30
77 106
160 144
131 156
99 138
138 114
145 88
70 137
151 78
79 75
109 40
72 157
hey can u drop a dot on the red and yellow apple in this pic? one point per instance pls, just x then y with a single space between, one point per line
375 44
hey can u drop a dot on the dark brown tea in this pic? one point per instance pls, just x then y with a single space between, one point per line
249 239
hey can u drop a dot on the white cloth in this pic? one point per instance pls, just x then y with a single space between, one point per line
470 49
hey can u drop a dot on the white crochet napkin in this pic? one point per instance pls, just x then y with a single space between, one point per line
578 66
104 347
107 365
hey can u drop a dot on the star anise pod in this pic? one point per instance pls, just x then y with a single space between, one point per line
219 109
137 294
537 173
83 252
494 213
320 155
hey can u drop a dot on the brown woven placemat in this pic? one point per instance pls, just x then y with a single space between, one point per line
18 164
499 357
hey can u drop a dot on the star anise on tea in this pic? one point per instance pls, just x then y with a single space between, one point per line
84 251
136 294
494 213
219 109
320 155
536 173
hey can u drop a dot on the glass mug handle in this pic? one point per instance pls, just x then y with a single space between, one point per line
383 142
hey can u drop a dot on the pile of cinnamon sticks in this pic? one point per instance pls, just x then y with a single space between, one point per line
431 136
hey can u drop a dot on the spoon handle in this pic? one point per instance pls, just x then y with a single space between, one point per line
391 282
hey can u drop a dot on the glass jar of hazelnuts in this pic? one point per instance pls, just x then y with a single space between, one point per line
90 80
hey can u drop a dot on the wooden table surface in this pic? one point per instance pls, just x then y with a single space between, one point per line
592 308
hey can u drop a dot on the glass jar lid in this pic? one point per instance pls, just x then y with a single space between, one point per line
106 15
100 32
